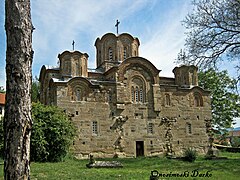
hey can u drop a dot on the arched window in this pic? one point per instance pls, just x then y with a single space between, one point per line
192 78
137 90
167 100
125 53
110 54
198 101
67 67
78 95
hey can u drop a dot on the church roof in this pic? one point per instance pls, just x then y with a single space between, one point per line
2 98
73 53
107 35
58 80
95 70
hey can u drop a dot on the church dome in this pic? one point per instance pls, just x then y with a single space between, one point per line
113 49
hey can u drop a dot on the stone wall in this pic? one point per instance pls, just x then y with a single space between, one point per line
123 108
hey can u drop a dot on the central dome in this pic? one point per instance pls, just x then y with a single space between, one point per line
112 50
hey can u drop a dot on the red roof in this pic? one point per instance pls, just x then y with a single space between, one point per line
2 98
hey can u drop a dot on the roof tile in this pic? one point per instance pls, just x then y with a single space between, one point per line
2 98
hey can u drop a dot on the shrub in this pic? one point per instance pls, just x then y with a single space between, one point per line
235 141
52 133
190 155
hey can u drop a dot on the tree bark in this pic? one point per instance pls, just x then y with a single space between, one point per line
17 118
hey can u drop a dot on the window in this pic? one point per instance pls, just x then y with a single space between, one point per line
189 128
138 115
67 67
132 93
110 97
81 70
137 90
133 129
141 95
150 128
136 95
135 53
78 92
78 95
198 100
95 127
125 53
191 74
110 54
77 69
167 99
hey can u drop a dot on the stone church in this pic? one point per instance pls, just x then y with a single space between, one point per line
124 107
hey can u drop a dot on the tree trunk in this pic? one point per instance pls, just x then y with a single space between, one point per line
17 118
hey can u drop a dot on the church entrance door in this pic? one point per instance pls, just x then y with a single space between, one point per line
139 148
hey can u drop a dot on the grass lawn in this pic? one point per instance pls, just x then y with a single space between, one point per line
139 168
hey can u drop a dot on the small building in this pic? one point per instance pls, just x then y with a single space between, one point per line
2 104
234 132
123 107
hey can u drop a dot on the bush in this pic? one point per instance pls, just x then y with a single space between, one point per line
190 155
235 141
52 133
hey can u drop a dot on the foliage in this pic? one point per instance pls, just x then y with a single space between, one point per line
223 139
190 155
35 90
213 32
225 100
52 133
2 89
235 141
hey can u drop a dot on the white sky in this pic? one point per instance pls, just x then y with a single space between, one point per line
157 24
